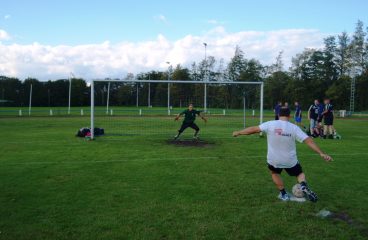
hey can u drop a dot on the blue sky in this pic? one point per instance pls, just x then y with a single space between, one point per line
48 39
80 22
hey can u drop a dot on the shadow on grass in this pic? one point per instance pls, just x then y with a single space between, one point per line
190 143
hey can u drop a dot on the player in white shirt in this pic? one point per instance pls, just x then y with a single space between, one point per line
281 154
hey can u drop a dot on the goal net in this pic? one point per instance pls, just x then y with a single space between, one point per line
149 107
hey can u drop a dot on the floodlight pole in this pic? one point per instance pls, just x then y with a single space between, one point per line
30 101
353 74
168 89
108 98
205 78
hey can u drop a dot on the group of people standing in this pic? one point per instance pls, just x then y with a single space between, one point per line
320 117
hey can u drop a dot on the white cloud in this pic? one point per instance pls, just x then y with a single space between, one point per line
212 21
7 16
115 60
161 18
215 22
4 35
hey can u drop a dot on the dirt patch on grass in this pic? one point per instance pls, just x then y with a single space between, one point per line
343 216
190 143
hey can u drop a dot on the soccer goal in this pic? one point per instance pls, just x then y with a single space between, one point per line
149 107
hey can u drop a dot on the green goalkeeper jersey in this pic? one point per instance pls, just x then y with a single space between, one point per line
190 116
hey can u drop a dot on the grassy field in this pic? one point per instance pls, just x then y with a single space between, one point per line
137 186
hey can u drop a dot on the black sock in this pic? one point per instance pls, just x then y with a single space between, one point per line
303 184
196 133
283 192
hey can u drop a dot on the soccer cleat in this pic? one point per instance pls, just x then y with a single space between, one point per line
309 194
284 197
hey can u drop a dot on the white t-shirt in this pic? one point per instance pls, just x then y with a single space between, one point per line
281 136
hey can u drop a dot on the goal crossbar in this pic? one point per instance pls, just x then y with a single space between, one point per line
179 81
222 82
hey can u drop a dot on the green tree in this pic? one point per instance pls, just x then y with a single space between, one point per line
10 91
343 55
339 92
276 89
358 46
236 65
182 94
362 92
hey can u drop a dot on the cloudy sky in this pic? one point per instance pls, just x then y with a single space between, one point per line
98 39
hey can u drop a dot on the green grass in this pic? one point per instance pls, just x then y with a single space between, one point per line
56 186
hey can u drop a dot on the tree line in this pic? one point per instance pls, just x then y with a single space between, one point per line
313 74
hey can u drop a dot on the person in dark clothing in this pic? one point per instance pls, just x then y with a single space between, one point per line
298 115
190 115
277 110
328 116
313 117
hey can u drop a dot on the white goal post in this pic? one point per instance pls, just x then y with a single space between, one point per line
205 83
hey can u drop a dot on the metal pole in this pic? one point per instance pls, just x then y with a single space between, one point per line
205 97
168 99
137 101
261 105
244 109
149 95
48 93
70 92
205 77
92 108
168 90
108 98
30 101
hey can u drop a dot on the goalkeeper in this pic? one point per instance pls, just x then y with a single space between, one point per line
189 118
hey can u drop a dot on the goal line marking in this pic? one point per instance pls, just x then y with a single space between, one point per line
163 159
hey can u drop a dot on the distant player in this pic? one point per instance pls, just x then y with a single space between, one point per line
286 104
276 110
189 118
328 128
298 115
281 155
321 108
313 117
